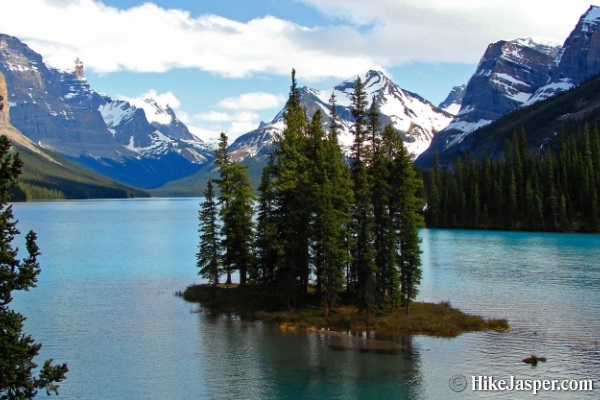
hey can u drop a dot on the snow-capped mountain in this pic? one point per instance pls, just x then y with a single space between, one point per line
519 73
578 60
415 117
151 130
454 100
508 74
144 146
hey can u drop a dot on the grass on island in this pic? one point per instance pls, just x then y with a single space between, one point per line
251 302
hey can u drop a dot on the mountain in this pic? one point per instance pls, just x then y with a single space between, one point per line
454 100
142 146
579 58
417 119
508 74
570 112
48 175
517 74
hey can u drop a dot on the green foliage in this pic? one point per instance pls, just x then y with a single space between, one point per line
293 198
332 188
236 201
209 254
17 350
362 245
526 189
345 228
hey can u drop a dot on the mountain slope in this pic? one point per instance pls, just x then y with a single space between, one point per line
416 118
579 58
508 74
454 100
143 146
48 175
542 122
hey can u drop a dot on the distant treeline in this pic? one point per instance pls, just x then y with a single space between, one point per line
552 190
42 179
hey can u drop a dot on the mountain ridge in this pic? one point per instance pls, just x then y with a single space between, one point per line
60 110
506 81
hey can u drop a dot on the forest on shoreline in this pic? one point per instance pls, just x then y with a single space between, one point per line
556 189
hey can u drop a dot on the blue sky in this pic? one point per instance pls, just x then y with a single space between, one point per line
224 65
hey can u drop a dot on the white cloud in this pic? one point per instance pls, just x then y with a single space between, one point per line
208 125
213 116
253 101
400 31
148 38
377 34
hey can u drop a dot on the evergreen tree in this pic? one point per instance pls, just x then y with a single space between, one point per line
553 189
363 253
384 235
294 198
236 201
268 250
18 379
209 255
434 211
333 195
406 209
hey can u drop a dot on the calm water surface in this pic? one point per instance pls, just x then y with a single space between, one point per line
105 305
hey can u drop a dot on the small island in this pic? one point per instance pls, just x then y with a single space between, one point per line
332 242
250 302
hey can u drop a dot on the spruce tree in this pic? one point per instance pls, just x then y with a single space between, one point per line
406 208
384 235
209 255
293 198
236 209
363 253
268 250
19 376
331 184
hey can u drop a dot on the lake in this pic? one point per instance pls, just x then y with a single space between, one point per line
105 305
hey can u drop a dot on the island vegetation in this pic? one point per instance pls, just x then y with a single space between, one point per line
334 241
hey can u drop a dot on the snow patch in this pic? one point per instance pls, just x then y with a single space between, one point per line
464 128
550 90
592 16
114 113
452 109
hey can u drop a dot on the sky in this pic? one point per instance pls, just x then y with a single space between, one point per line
224 65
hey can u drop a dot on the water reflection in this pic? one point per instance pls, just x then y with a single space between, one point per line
254 360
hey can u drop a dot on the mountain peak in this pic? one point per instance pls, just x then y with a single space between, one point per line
578 60
375 80
454 100
155 112
592 15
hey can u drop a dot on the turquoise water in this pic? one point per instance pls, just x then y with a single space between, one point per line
105 304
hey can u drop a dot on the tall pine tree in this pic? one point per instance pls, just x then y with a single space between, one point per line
236 201
363 253
209 254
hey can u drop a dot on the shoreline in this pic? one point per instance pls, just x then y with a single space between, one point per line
250 303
